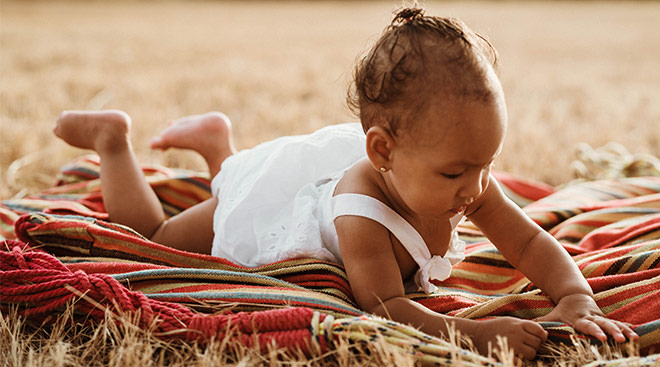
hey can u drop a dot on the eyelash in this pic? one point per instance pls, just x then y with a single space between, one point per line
451 177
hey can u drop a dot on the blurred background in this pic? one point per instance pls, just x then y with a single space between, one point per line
572 72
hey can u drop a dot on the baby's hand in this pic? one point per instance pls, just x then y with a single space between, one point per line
581 312
523 336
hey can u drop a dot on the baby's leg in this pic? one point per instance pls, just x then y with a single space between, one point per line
208 134
127 196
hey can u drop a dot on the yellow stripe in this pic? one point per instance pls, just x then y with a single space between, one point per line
486 309
649 339
615 306
481 277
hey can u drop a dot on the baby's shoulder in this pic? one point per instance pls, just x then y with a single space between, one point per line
359 234
363 179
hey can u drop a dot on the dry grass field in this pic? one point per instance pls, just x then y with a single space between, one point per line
572 72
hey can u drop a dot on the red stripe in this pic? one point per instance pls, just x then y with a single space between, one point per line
601 239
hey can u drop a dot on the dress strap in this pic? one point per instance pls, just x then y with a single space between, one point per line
435 267
368 207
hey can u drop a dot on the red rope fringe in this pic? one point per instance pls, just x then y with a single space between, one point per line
42 284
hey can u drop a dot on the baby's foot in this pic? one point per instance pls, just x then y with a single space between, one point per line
97 130
208 134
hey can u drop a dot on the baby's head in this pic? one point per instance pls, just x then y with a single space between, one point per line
433 112
418 61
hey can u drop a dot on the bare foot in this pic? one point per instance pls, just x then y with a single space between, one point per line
102 131
208 134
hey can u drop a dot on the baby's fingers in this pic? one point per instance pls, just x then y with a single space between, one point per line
618 330
590 327
600 327
536 330
627 330
611 328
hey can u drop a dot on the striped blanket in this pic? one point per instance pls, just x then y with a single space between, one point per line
611 228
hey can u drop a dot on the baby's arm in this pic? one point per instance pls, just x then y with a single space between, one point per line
375 279
542 259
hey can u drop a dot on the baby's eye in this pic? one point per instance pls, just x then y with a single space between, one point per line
451 176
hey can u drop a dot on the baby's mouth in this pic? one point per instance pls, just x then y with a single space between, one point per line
459 210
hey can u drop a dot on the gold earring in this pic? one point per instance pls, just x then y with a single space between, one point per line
383 169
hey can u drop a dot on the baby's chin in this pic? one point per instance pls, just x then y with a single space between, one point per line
442 215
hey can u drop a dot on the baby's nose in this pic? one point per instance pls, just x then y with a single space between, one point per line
472 191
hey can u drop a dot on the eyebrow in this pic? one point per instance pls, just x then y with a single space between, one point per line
461 164
465 163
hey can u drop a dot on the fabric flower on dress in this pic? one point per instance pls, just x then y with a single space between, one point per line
437 268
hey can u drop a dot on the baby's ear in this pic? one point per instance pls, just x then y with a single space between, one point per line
379 147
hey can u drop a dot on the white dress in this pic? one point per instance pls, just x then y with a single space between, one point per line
268 196
275 202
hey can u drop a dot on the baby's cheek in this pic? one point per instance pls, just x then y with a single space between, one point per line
441 199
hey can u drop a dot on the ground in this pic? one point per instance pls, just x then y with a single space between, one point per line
572 72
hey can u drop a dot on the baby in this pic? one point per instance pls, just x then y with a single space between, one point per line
383 198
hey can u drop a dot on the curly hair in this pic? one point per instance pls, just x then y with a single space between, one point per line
419 55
